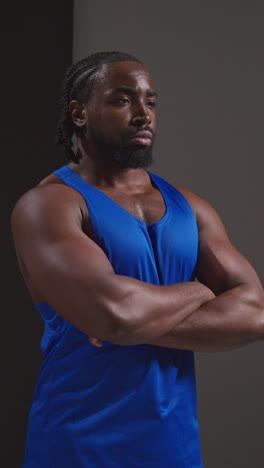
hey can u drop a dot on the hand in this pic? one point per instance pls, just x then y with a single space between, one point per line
95 341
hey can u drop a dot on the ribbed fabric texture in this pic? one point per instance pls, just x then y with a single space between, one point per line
119 406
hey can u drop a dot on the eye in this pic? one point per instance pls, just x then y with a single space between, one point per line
151 104
123 100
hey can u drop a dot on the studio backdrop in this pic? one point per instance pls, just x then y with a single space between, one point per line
206 59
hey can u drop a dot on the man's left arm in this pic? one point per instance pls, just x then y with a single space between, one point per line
235 317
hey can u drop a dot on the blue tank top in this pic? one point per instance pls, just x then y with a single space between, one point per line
119 406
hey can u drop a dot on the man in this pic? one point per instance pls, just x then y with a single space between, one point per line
109 252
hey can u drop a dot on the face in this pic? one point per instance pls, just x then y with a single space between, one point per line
121 114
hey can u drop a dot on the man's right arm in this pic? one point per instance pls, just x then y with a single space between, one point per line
74 276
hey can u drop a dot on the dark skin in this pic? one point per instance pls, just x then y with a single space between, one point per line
62 265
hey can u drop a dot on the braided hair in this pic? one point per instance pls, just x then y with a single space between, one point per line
78 83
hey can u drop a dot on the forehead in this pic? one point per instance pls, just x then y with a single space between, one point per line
122 74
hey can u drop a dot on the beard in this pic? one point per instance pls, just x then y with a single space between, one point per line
132 157
123 154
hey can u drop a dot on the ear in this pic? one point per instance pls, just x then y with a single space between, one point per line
78 113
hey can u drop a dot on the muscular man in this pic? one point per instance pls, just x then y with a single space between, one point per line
110 251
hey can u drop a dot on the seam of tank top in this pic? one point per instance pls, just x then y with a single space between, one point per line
48 362
55 352
83 182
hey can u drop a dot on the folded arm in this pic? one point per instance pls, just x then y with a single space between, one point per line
235 317
232 318
73 275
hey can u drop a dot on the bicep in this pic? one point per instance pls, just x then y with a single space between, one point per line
71 272
220 265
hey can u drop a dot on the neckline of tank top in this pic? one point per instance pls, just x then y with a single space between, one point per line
152 177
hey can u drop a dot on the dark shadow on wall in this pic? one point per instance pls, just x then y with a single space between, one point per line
37 48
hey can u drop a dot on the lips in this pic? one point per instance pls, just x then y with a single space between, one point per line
141 138
143 134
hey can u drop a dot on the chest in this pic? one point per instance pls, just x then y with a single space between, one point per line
148 206
160 248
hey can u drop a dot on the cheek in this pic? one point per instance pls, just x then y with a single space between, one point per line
115 120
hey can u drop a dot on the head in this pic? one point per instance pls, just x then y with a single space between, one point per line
108 98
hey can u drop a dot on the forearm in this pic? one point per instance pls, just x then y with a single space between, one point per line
229 321
148 311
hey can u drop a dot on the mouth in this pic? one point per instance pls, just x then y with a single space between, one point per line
141 138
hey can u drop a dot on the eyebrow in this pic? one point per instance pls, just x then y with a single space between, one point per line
130 90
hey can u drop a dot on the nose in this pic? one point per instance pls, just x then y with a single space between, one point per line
141 115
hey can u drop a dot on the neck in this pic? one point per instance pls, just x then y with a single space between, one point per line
95 170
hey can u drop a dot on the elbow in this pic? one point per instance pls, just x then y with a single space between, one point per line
124 332
256 302
249 309
260 317
127 321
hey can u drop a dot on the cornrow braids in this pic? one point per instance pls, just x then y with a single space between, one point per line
78 84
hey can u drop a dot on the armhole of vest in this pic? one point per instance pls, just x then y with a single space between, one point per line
179 193
186 202
88 202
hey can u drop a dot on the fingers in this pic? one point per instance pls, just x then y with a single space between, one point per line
95 342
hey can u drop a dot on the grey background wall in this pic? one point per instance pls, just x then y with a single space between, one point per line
36 40
207 60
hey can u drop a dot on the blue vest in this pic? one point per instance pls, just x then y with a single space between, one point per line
119 406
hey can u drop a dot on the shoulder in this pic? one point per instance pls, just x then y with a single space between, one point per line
48 204
206 216
50 194
41 216
197 203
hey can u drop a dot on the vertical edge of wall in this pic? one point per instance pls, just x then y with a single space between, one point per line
37 41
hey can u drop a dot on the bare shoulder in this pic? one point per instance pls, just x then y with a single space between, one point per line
48 190
46 213
190 197
206 215
220 265
47 199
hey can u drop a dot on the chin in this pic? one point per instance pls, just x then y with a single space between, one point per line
134 156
